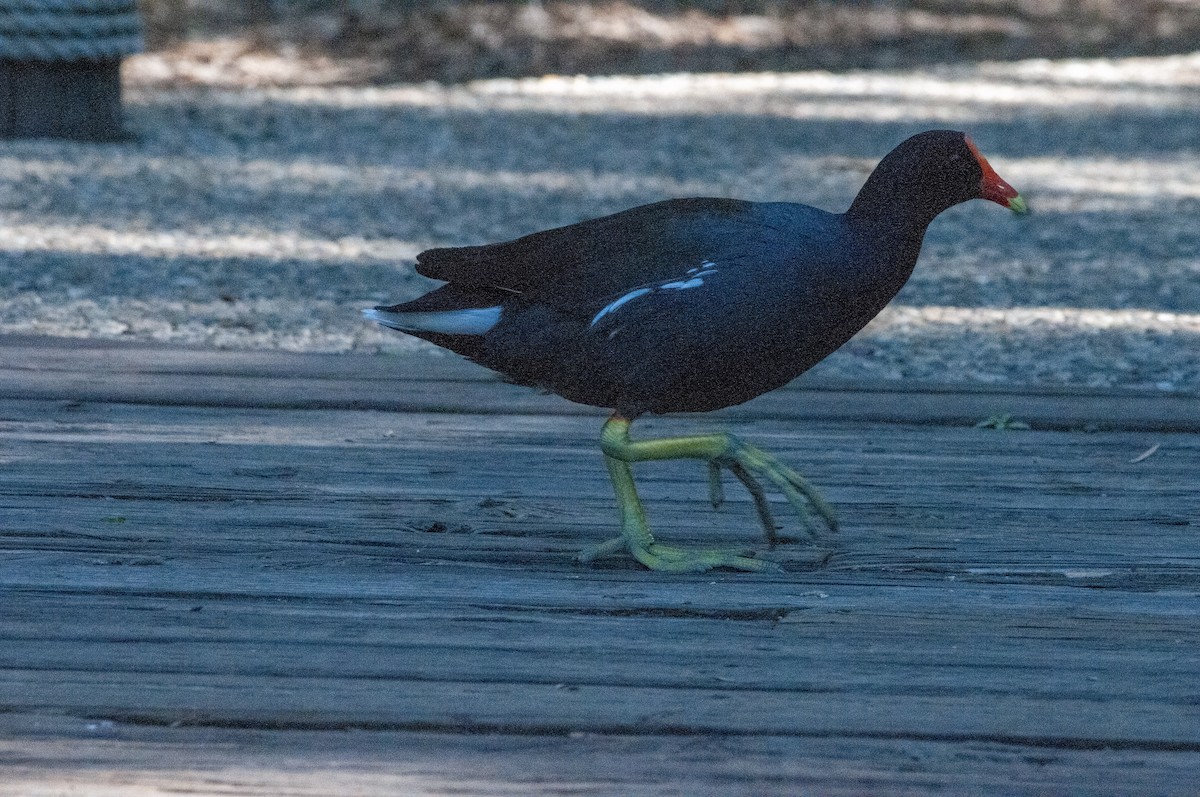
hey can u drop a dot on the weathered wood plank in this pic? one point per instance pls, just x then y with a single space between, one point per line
334 701
65 755
534 487
825 648
39 368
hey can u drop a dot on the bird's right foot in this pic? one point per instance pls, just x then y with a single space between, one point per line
752 466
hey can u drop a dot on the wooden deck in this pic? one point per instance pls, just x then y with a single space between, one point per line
262 573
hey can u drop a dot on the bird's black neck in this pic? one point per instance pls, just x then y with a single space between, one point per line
890 214
896 203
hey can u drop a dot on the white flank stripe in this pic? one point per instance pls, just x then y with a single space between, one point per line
473 321
629 297
694 282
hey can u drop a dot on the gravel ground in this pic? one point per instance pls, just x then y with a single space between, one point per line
265 218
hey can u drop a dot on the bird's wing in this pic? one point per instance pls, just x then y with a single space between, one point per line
603 257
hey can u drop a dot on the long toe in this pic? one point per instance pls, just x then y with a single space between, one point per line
669 559
752 466
761 505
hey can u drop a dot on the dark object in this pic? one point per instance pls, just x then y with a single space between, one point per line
76 100
60 67
691 305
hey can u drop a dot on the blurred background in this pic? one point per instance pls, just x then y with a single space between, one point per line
452 40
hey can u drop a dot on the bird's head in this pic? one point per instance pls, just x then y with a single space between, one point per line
941 168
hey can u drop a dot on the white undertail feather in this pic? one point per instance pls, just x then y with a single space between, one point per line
471 321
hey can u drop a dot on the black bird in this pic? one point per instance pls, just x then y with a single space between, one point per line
689 305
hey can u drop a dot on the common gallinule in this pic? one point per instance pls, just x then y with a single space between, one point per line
690 305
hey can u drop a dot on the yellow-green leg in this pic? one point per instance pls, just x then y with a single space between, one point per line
748 464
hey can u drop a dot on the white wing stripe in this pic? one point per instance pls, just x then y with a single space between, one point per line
611 306
695 280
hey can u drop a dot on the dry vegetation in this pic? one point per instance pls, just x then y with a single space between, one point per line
389 40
